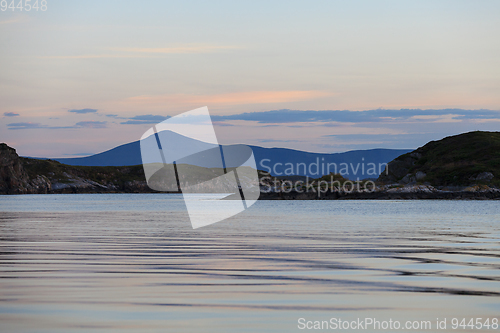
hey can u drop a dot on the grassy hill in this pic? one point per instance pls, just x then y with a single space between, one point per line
462 160
58 172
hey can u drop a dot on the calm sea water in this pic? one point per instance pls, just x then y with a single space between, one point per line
132 263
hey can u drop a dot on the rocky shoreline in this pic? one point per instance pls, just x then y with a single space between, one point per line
387 192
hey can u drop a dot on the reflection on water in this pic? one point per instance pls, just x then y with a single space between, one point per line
79 263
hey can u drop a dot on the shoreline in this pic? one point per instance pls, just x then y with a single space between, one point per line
385 195
391 192
491 194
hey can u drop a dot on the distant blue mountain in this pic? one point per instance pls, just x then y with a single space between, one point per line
278 161
127 154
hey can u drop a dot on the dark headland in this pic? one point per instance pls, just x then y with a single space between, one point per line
465 166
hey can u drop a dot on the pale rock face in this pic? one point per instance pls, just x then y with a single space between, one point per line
420 175
408 179
413 189
484 176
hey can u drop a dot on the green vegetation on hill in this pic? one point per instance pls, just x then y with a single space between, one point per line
465 159
64 173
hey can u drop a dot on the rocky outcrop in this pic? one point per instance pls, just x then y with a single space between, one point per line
14 178
483 176
462 160
19 175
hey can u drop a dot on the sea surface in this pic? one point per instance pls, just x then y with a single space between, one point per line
132 263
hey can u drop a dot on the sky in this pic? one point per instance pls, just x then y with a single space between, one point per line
83 77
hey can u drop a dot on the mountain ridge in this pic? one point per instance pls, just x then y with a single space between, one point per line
130 154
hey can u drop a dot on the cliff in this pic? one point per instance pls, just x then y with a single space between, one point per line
13 177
